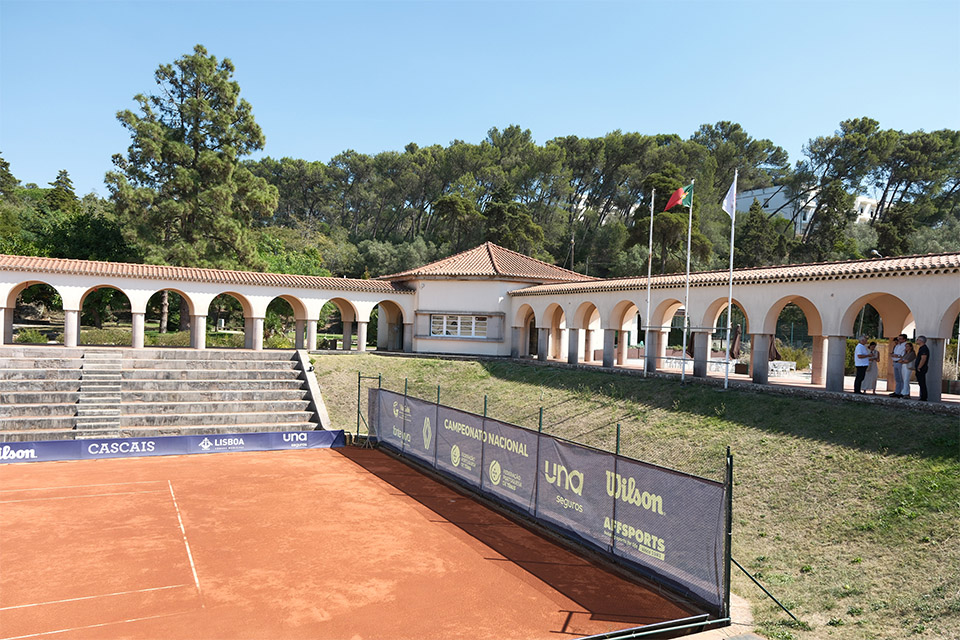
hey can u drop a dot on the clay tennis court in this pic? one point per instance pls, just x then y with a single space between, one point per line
322 543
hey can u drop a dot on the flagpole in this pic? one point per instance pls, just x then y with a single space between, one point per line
646 334
733 220
686 295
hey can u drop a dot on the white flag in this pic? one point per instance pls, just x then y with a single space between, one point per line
730 201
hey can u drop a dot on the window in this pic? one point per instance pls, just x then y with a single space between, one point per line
463 326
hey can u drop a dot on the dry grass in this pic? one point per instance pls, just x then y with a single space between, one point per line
847 512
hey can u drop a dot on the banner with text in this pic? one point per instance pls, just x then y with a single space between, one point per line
53 450
510 463
460 444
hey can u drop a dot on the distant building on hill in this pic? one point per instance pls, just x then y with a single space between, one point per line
777 200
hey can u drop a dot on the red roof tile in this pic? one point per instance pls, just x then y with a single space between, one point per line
491 261
191 274
913 265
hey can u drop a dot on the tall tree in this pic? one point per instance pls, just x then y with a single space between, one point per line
181 186
62 197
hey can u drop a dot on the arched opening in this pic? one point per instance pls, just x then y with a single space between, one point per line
280 324
950 328
385 330
526 333
739 337
35 316
167 319
796 350
555 320
629 338
226 321
105 318
337 318
586 328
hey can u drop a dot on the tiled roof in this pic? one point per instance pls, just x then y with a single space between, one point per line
491 261
191 274
845 270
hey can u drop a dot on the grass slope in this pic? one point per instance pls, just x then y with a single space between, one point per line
847 512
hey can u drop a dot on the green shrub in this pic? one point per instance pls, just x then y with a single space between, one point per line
172 339
30 336
230 340
795 354
278 341
107 337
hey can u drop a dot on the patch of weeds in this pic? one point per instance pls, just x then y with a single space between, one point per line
806 569
856 560
835 622
879 605
720 410
854 611
845 591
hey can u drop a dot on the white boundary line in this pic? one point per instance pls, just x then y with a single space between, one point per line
79 486
186 544
103 595
94 626
84 495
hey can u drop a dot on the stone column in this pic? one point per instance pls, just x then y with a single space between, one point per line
6 325
361 336
701 353
71 328
311 334
298 337
347 335
138 338
543 344
836 360
818 360
935 370
650 350
886 356
198 332
516 341
622 347
587 345
248 333
257 333
573 345
760 356
609 347
662 338
408 337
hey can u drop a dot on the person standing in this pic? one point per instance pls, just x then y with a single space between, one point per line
870 380
923 364
907 366
861 360
900 345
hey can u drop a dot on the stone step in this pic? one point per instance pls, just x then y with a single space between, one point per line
19 435
106 367
39 397
38 363
161 420
39 374
10 410
95 422
242 355
90 386
182 408
210 385
190 430
31 423
101 375
39 385
211 374
211 396
95 411
162 364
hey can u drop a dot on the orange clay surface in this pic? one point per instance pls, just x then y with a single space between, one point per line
323 543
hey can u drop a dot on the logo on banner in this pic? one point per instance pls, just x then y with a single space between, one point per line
298 439
427 433
626 490
205 444
397 408
9 453
495 472
560 476
125 447
455 455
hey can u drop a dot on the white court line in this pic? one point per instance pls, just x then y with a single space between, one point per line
94 626
193 567
103 595
85 495
81 486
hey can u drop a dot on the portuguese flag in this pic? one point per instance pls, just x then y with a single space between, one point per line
683 195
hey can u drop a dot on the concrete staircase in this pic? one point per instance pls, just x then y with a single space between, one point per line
49 393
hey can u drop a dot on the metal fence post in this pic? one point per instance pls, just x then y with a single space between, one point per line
618 438
728 542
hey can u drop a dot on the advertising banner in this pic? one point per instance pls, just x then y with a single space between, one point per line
389 417
571 492
460 444
510 463
52 450
669 522
420 425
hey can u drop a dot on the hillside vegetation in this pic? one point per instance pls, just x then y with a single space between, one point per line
847 512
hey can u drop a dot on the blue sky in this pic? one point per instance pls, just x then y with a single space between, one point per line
324 77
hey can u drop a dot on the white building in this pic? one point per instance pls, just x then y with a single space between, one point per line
776 199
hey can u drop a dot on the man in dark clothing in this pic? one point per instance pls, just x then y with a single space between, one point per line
923 363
